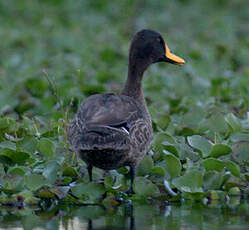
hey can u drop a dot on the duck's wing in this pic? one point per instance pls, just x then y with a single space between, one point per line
109 109
104 120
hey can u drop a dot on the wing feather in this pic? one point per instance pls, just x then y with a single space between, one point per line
103 120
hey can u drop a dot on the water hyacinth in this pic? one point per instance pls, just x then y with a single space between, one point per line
50 62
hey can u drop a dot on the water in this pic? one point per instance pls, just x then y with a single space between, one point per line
188 215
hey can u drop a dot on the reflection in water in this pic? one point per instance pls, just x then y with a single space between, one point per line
130 216
188 215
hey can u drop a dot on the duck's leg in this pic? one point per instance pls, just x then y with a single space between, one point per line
132 219
132 174
90 225
89 169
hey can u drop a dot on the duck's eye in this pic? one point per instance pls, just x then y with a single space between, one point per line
158 40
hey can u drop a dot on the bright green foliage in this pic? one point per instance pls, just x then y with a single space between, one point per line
144 187
233 122
190 182
200 143
172 165
13 157
46 147
241 152
214 180
54 54
145 166
220 150
213 164
233 168
91 192
34 181
50 171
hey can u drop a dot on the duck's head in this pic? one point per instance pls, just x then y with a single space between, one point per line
148 47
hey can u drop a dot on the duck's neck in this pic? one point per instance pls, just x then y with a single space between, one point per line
133 85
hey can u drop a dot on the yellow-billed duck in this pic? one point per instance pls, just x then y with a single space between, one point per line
114 130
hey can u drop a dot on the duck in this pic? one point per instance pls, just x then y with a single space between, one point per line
110 130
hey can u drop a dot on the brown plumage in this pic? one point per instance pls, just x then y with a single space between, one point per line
114 130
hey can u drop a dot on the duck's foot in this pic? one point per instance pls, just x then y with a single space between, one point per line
130 191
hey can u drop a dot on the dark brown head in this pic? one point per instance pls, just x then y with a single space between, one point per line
148 47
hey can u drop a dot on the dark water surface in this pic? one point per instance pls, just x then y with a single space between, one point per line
188 215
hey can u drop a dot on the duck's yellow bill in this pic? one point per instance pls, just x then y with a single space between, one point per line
172 57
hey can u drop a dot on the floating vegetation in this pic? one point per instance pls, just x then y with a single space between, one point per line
56 53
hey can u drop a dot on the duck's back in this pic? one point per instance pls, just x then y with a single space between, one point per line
111 131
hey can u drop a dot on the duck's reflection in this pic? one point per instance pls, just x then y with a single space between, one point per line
128 217
187 215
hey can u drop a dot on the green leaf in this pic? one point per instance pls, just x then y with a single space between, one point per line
159 138
163 121
12 182
186 131
70 172
46 147
235 182
53 192
213 180
34 181
8 145
8 123
190 182
233 168
90 192
145 166
220 150
217 123
45 193
193 117
60 191
108 182
144 187
158 171
4 123
246 175
233 122
187 152
241 151
213 195
66 180
16 157
50 171
2 171
113 181
200 143
4 199
27 144
216 195
172 165
28 197
17 170
234 191
213 164
237 137
170 148
36 86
